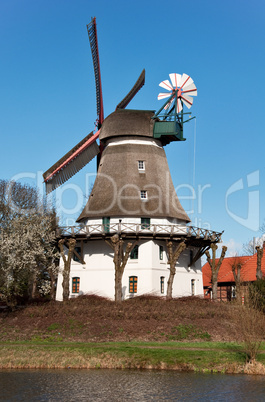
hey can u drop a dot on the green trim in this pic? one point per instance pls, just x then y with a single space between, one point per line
106 224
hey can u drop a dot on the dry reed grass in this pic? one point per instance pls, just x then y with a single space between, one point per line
93 318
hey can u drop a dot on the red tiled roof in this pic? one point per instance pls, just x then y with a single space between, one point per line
225 274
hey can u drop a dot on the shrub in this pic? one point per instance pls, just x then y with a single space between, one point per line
257 294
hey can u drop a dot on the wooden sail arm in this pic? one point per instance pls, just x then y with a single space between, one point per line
70 156
93 40
136 88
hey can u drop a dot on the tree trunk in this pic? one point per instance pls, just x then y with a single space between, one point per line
236 269
66 280
173 257
170 283
53 289
118 286
214 288
33 285
67 266
215 267
120 260
259 259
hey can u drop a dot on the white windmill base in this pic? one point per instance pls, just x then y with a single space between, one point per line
151 270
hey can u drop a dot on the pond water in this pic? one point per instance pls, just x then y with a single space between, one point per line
127 385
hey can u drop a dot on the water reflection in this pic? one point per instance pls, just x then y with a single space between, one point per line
127 385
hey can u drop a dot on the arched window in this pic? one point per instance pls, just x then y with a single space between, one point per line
75 284
133 284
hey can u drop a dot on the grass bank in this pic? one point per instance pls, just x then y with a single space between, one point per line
222 357
143 332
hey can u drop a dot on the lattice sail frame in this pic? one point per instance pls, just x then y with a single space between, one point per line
87 149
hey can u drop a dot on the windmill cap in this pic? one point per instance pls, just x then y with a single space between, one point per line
128 122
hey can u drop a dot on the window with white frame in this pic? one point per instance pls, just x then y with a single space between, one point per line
141 165
143 194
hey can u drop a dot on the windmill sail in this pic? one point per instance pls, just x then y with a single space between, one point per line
137 86
88 148
93 40
72 162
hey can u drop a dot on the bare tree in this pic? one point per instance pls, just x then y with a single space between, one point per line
259 260
173 256
236 266
120 260
215 267
250 247
67 264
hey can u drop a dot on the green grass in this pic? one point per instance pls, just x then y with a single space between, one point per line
196 356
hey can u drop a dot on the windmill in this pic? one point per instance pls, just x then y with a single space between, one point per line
133 198
87 149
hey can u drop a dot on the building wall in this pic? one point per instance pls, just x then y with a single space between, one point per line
97 274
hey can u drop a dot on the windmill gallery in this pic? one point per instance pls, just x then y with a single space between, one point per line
133 236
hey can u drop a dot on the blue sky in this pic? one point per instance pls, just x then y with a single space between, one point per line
48 94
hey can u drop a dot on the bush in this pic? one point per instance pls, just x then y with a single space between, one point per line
257 294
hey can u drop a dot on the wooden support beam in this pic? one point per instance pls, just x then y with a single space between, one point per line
199 254
78 256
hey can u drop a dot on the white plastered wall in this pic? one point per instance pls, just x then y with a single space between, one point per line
97 275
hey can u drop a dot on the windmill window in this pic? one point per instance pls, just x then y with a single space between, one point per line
143 194
162 284
145 223
134 253
75 285
161 253
133 284
78 251
141 165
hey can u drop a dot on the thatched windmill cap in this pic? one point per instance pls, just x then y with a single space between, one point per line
129 123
